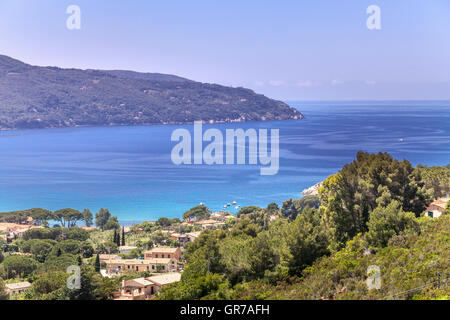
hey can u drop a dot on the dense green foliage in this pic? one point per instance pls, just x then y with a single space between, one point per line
42 97
199 212
348 197
67 217
310 248
321 247
41 216
291 208
412 267
3 294
436 179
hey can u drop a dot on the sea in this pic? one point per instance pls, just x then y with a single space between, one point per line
129 170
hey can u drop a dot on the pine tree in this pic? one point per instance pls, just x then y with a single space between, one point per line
115 236
59 252
97 263
80 262
118 239
123 236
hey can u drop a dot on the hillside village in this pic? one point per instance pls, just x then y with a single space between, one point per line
145 261
160 263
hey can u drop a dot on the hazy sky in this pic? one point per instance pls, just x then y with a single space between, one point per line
290 50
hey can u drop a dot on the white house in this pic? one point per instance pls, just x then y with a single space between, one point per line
17 287
437 208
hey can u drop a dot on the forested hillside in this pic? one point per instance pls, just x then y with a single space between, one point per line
47 97
369 213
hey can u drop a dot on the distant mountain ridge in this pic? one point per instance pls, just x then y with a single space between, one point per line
50 97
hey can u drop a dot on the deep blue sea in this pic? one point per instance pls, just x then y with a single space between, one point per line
129 169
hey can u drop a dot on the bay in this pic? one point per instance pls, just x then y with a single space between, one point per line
129 169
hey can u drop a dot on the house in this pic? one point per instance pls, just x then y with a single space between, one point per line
107 257
163 253
17 287
89 228
437 208
126 249
21 254
145 288
221 216
181 238
127 229
191 220
151 265
209 223
193 235
159 259
9 238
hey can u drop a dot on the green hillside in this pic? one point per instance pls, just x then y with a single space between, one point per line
47 97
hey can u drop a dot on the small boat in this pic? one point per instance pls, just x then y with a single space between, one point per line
234 203
201 204
228 204
237 207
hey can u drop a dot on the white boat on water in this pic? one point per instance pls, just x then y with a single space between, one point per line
234 203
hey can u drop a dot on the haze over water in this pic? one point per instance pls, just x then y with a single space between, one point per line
129 169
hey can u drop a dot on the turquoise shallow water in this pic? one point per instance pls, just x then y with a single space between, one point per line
129 169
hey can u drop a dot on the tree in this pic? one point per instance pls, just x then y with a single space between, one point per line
114 236
289 210
89 283
198 212
118 237
68 216
19 266
436 179
40 216
123 236
247 210
109 247
164 222
386 222
262 255
97 263
112 223
80 262
59 263
272 208
50 282
86 249
235 257
56 233
3 294
67 246
101 217
306 241
348 197
40 248
87 216
311 201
